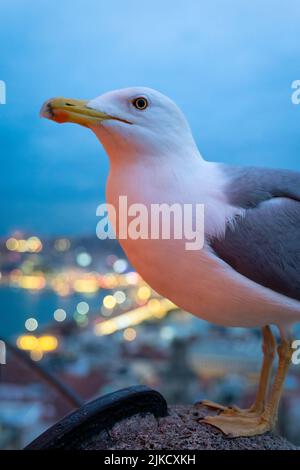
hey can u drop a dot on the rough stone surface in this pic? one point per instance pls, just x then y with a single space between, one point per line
180 430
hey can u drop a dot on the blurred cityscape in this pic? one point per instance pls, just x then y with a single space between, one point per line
75 307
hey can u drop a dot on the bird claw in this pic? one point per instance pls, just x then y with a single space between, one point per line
239 426
212 405
226 410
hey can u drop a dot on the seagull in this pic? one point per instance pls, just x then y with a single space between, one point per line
247 273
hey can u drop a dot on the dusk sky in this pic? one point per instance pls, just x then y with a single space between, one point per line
229 65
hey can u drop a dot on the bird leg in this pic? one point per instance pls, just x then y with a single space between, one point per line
285 352
268 347
263 420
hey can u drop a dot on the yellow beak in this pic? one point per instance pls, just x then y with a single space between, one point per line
69 110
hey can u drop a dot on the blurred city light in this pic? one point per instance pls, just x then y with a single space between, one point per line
120 296
31 324
144 292
60 315
42 344
62 244
131 318
120 266
31 245
83 308
84 259
129 334
86 285
109 301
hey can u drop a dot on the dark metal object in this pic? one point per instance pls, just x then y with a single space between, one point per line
100 415
65 391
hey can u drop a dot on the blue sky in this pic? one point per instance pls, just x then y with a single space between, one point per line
228 64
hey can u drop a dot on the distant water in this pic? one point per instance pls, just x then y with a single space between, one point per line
16 305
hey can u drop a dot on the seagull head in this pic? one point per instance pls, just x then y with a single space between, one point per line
131 123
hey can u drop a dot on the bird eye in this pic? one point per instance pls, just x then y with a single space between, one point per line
140 103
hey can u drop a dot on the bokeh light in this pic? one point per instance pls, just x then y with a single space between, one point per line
12 244
31 245
31 324
83 308
120 266
144 293
120 296
62 244
83 259
129 334
60 315
109 301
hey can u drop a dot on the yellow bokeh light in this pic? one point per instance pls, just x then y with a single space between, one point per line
144 292
47 343
61 287
27 342
110 281
106 328
12 244
155 307
109 301
36 354
129 334
22 246
86 285
44 343
32 282
134 317
34 244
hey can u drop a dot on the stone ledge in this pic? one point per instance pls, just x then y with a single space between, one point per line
180 430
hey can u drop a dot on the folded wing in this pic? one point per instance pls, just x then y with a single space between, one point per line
264 244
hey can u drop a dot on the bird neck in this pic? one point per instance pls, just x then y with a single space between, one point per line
172 149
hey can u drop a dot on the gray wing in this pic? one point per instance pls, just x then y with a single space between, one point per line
264 245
